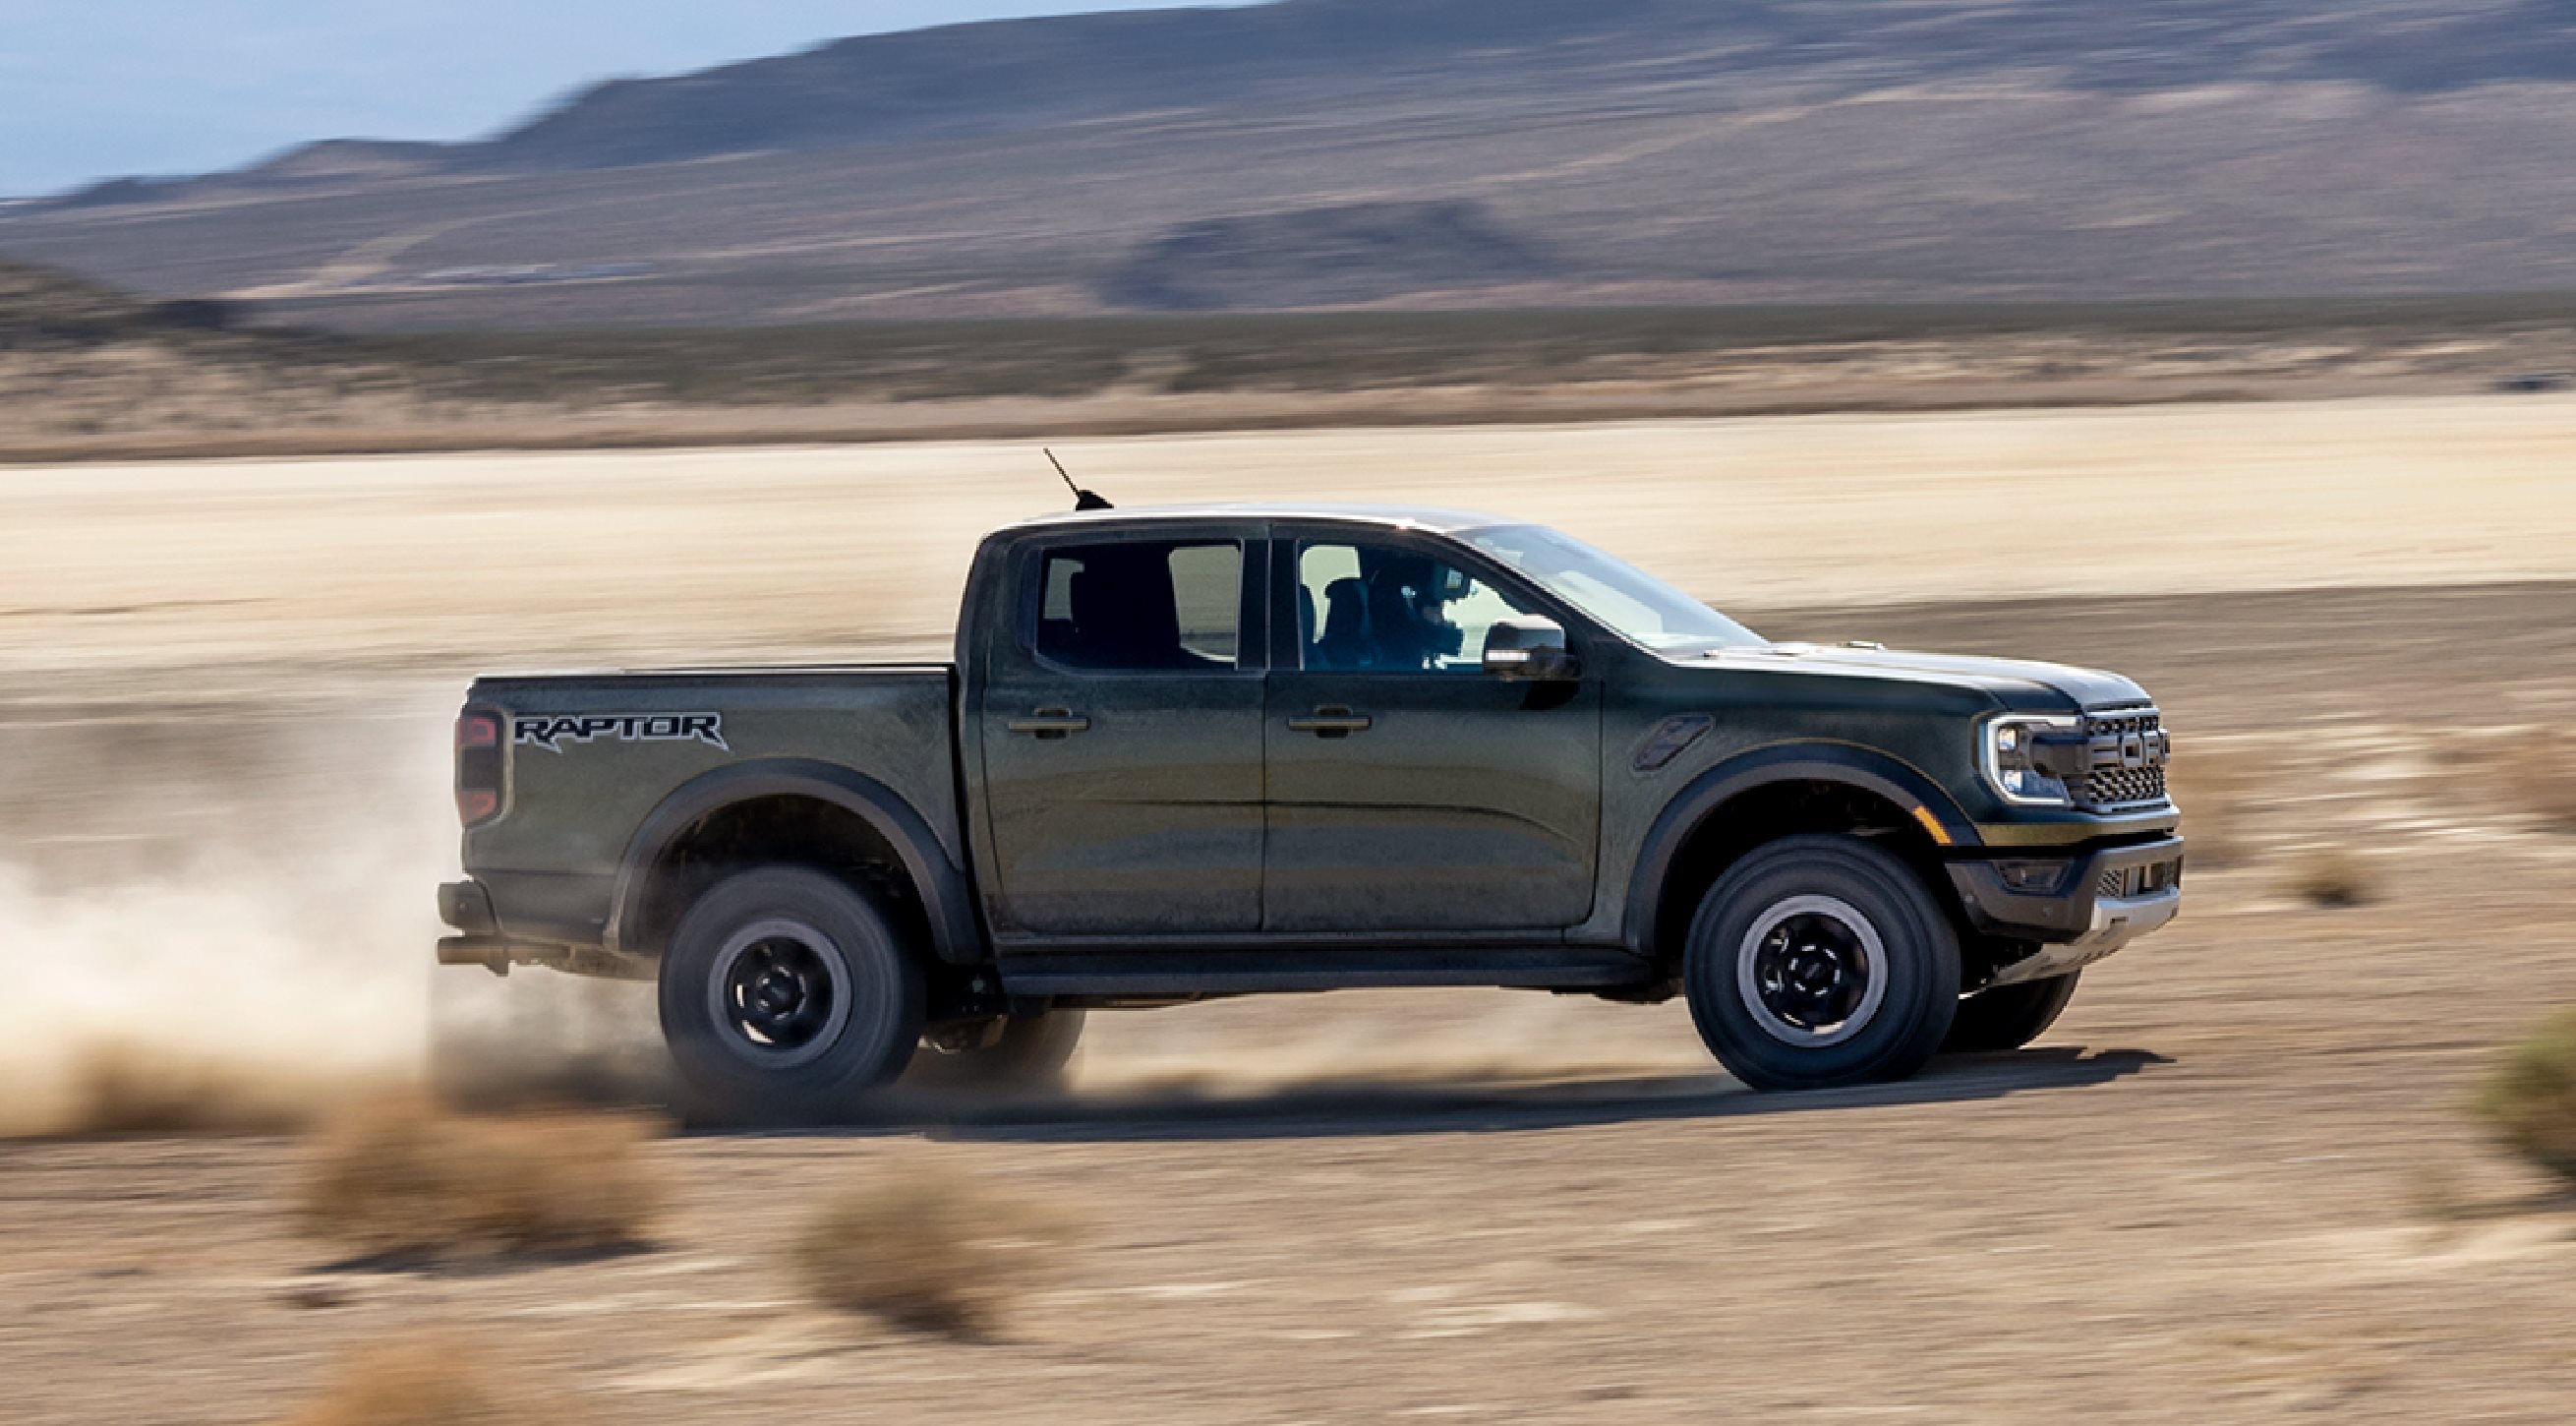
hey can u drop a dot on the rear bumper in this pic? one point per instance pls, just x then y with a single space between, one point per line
2078 908
467 906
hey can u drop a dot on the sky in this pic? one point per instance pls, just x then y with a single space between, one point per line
95 89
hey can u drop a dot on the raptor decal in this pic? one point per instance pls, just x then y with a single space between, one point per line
551 731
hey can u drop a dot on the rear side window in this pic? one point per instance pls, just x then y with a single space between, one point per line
1143 607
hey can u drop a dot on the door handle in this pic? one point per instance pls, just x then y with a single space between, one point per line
1051 723
1332 722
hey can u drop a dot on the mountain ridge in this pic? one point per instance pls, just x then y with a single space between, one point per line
1660 152
1067 68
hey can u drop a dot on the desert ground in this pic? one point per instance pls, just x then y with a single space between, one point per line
2237 1182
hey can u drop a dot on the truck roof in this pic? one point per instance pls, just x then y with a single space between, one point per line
1416 517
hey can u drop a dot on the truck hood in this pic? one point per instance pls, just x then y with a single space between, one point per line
2013 680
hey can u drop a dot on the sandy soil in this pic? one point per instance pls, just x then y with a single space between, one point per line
2235 1184
446 562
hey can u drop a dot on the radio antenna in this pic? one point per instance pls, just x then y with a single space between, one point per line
1082 499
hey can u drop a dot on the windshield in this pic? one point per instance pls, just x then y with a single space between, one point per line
1636 604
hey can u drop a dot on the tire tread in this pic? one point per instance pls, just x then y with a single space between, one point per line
881 967
1923 954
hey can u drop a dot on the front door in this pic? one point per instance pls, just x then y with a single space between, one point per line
1409 789
1121 736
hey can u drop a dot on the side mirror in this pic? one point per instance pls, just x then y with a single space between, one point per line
1529 649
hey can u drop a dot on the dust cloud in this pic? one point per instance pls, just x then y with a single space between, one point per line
255 972
1359 1041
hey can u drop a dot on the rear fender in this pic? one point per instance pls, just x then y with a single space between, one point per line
956 933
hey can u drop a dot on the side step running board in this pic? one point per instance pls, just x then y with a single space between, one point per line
1176 973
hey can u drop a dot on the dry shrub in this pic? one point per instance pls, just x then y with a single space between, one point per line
403 1179
129 1089
2215 788
2331 877
436 1380
2540 775
2433 1191
2530 1099
934 1253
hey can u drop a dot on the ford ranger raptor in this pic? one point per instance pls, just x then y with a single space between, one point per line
1190 753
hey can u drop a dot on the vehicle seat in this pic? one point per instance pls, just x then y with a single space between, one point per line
1085 597
1396 631
1306 625
1345 641
1125 617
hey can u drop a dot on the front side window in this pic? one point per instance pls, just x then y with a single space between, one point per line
1380 608
1142 606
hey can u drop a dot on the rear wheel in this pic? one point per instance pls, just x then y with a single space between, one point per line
2008 1016
1819 961
786 993
1021 1055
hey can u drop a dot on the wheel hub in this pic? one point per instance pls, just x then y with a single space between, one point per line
777 993
781 991
1812 970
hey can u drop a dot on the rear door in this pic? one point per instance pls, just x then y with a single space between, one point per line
1408 789
1120 728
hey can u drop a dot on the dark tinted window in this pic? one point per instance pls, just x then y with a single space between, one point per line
1149 607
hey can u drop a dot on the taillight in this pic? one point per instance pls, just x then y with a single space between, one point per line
478 766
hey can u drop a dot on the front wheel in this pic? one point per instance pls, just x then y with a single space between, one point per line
2008 1016
787 993
1819 961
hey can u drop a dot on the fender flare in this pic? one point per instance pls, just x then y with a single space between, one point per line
956 934
1687 810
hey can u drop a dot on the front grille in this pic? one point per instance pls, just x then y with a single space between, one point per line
2121 787
2127 752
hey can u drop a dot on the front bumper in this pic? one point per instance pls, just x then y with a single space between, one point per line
2077 909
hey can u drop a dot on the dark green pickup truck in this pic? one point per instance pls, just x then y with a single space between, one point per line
1214 751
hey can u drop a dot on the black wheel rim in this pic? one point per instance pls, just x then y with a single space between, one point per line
1813 971
781 992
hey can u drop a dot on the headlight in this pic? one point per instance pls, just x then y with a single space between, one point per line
2017 758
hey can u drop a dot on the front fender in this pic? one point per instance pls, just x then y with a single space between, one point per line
956 933
1863 769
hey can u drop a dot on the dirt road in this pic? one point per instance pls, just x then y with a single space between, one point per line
2235 1185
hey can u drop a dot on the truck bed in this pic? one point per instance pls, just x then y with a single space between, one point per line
592 756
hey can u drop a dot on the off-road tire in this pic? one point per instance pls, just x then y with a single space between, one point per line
1842 903
1028 1057
2009 1016
825 950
